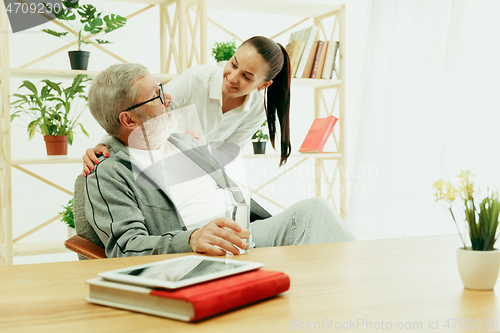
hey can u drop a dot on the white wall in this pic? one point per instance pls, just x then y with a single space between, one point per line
34 202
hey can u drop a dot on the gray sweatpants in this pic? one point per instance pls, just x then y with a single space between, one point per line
309 221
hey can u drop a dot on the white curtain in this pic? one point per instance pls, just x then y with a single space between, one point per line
428 107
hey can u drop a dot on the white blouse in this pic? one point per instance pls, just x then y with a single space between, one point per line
202 86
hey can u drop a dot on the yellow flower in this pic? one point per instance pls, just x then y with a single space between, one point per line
465 174
450 193
439 185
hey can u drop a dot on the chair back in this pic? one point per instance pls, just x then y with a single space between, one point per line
82 225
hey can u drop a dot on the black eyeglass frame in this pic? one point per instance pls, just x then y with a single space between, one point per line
160 96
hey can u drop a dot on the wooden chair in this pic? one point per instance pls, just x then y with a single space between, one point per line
85 243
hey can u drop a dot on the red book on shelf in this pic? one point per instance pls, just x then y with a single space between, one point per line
192 303
318 135
316 59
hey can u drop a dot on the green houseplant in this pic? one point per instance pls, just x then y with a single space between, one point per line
478 264
259 145
223 51
67 214
85 22
52 110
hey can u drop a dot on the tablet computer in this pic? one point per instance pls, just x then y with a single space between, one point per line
179 272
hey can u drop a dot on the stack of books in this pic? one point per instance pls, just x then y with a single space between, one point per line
310 57
192 303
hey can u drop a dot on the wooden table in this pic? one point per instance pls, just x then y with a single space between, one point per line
407 285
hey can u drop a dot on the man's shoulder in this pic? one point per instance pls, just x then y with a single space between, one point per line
112 167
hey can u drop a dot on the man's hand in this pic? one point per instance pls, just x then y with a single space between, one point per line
90 158
206 239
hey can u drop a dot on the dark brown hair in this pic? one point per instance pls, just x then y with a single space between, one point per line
278 93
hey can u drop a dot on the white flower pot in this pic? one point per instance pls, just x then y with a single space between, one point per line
478 269
222 63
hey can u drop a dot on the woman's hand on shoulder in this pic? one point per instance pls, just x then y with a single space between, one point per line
90 158
196 136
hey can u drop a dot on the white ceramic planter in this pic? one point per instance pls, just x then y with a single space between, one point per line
222 63
478 269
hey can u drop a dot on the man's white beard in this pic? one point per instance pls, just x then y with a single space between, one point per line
153 131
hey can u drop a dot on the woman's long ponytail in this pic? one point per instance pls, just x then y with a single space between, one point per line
277 99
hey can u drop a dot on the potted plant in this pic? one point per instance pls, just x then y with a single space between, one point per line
67 214
259 146
88 24
52 110
222 52
479 263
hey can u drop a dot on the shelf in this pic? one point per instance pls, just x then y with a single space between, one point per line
47 161
278 7
36 248
70 74
316 83
299 155
41 74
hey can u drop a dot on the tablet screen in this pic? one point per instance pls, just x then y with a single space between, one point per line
183 270
180 272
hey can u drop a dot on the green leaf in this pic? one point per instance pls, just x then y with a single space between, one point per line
87 12
55 33
114 22
100 41
32 128
70 3
70 137
68 216
22 98
94 26
30 87
55 86
83 130
224 51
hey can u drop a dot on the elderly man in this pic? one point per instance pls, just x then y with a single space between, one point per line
159 192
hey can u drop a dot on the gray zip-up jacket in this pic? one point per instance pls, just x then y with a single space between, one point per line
135 217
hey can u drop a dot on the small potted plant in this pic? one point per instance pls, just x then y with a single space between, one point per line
479 263
222 52
52 110
88 24
259 146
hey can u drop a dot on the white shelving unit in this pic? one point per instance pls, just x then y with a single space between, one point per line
183 41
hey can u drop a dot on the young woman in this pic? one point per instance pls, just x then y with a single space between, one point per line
233 102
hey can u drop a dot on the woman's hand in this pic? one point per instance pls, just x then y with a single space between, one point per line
196 136
214 238
90 158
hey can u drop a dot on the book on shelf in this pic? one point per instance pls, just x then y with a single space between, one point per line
191 303
329 58
316 59
321 61
318 134
335 53
310 61
308 35
294 50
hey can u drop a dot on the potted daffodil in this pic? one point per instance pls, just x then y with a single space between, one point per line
479 263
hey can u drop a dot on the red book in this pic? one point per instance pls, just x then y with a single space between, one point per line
192 303
316 59
318 135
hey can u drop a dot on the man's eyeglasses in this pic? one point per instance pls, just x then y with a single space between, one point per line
160 96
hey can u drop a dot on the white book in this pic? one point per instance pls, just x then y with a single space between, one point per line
307 49
330 53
